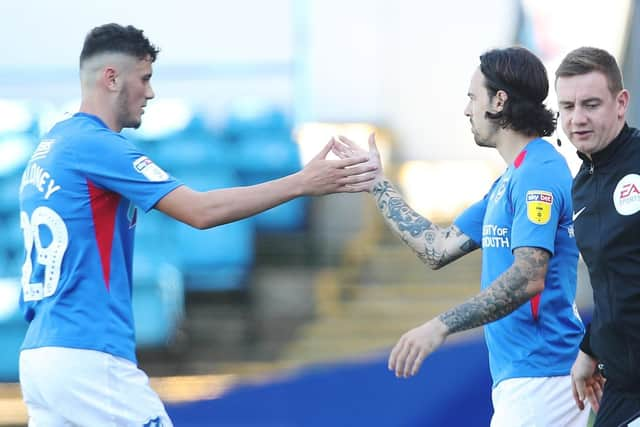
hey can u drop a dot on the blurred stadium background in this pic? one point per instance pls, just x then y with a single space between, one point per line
285 319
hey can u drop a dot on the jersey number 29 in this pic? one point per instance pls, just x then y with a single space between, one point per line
50 256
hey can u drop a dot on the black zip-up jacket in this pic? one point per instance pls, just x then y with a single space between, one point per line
606 203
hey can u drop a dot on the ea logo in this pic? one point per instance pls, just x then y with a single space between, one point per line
626 196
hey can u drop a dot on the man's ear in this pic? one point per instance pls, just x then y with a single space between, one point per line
499 100
622 100
110 78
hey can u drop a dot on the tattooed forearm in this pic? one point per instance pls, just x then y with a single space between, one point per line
434 245
523 280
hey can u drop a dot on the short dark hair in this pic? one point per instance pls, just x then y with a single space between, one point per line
523 77
587 59
115 38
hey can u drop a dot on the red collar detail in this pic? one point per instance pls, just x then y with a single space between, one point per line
518 161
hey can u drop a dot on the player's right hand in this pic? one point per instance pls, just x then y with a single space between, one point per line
414 346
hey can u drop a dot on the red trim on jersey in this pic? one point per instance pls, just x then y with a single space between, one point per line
535 307
104 205
518 161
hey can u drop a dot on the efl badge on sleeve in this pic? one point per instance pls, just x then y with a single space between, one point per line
150 170
539 206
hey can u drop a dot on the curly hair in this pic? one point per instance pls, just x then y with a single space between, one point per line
115 38
520 74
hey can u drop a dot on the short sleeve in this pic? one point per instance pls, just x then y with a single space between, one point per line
113 163
537 198
470 221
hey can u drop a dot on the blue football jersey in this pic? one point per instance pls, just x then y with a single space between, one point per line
78 199
530 206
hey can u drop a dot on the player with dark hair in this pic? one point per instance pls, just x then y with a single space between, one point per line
78 198
529 257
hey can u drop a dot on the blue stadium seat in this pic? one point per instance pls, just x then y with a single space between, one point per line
262 158
9 193
158 288
11 244
255 117
158 302
200 150
15 150
12 328
221 257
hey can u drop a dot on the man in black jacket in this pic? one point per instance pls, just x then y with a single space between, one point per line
606 202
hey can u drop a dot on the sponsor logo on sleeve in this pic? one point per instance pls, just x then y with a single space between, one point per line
539 206
626 196
150 170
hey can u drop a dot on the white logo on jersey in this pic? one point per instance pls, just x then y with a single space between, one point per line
42 149
39 178
495 237
501 189
626 196
577 214
49 256
150 170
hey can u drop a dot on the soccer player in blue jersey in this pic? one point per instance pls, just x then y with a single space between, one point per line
529 258
78 364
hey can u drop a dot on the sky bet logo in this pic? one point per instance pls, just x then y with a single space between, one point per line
539 196
539 206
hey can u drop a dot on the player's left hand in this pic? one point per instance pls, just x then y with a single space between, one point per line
345 148
414 346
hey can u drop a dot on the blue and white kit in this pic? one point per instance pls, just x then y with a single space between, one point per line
78 201
530 206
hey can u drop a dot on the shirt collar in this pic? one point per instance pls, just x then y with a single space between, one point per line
92 117
611 149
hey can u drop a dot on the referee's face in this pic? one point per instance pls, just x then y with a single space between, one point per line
591 115
479 103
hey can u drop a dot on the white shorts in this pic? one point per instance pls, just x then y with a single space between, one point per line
74 387
537 402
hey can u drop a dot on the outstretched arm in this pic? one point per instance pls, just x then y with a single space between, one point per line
436 246
318 177
517 285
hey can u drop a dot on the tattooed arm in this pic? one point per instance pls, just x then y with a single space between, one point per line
434 245
523 280
517 285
